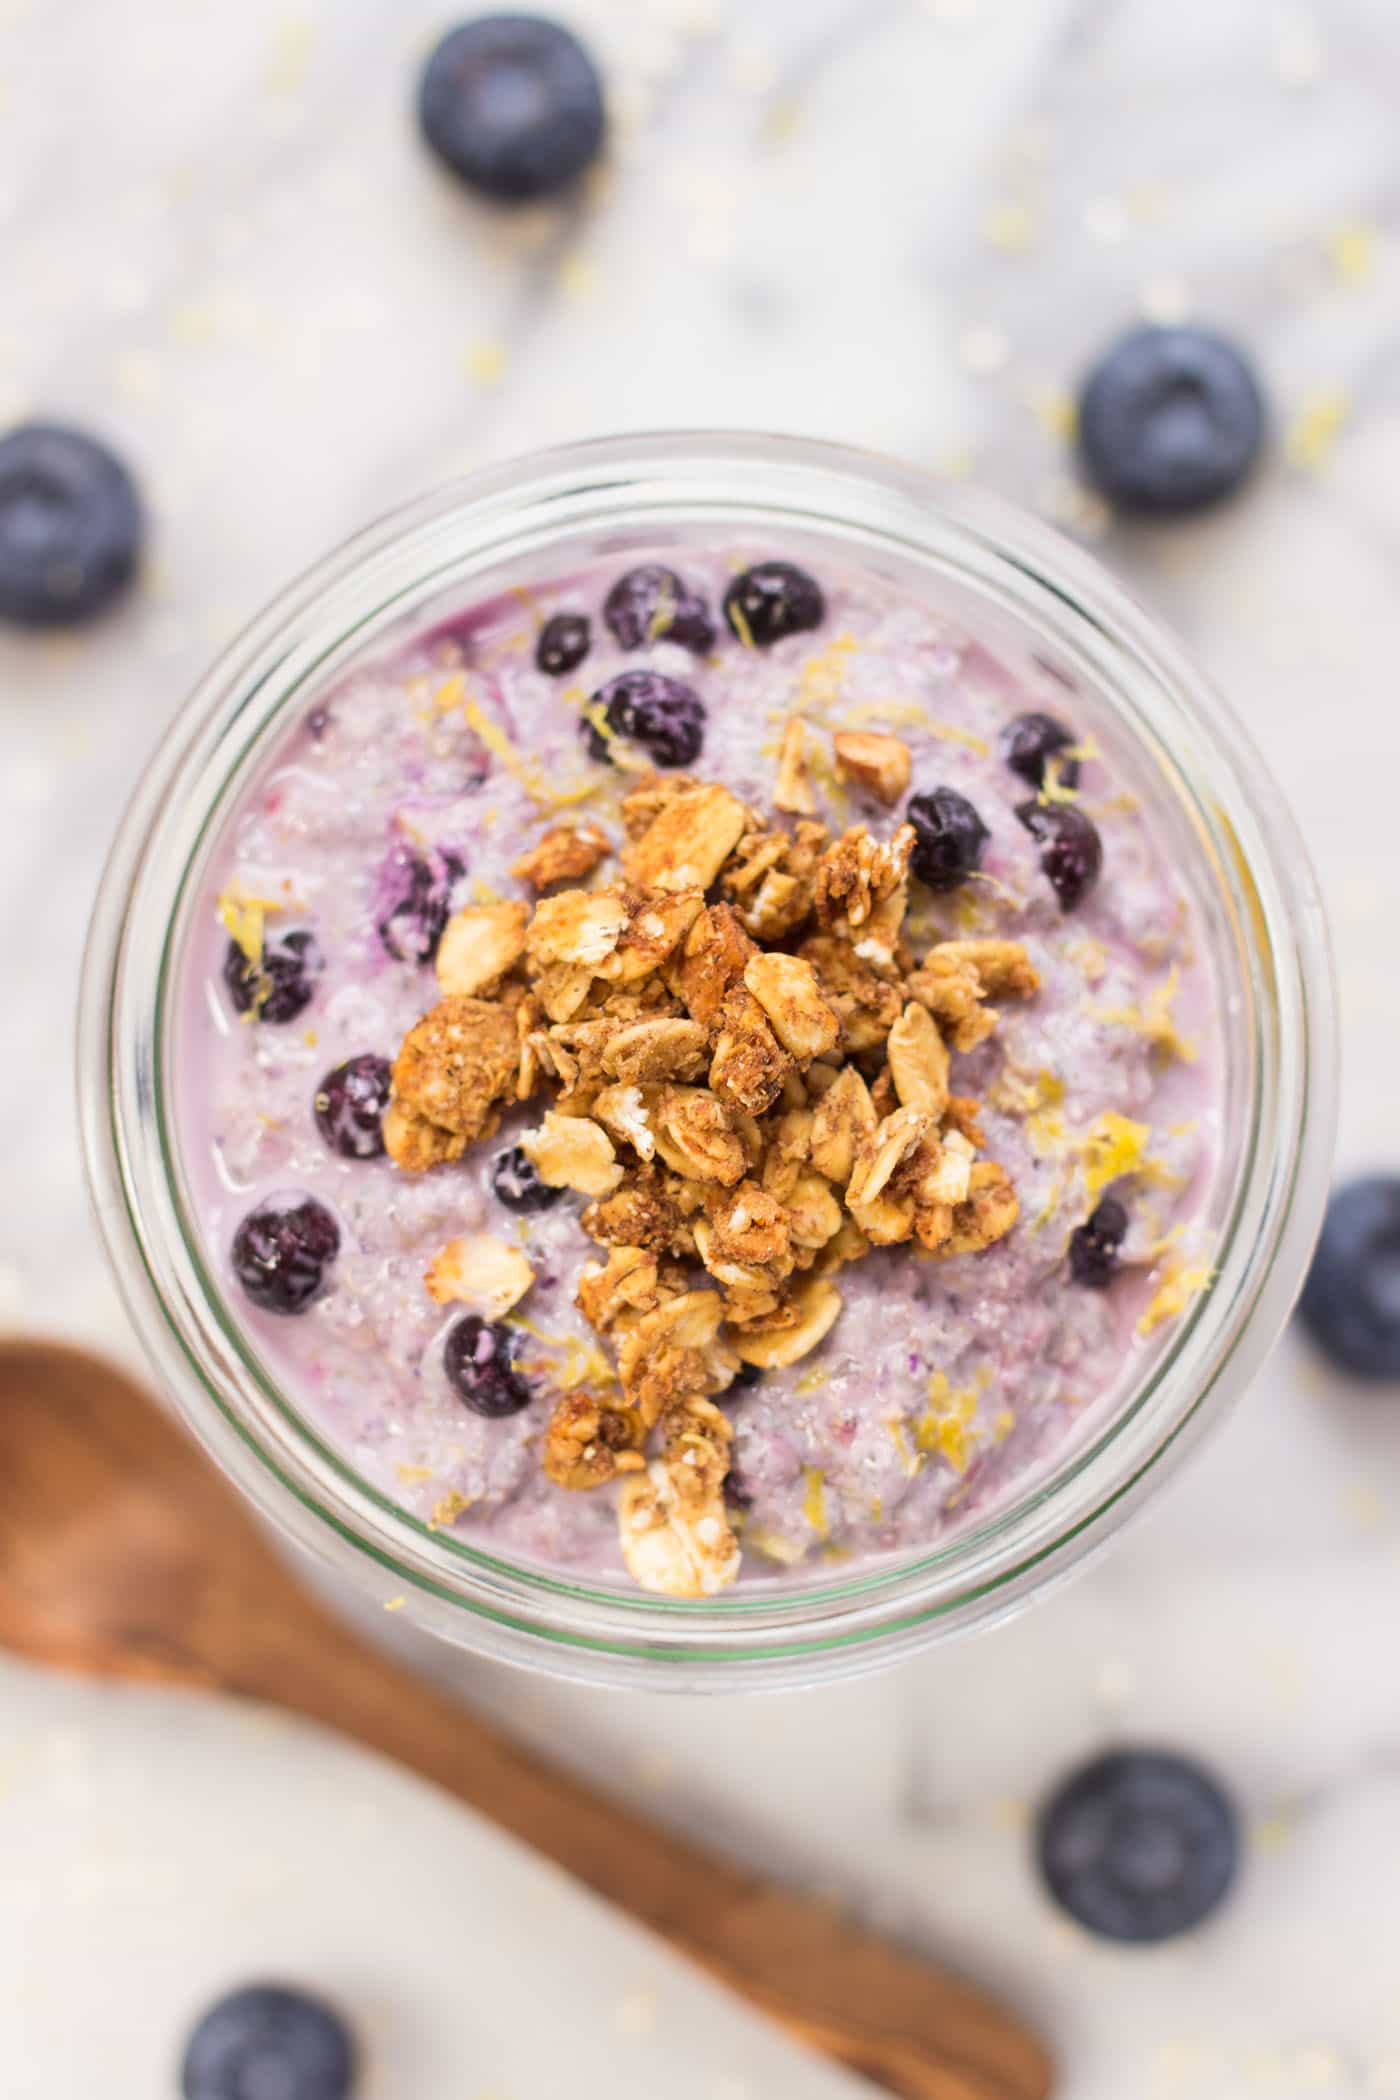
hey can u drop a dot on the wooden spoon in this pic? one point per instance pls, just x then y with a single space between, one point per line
123 1553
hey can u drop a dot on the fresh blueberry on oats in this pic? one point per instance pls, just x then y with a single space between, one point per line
661 714
479 1356
747 1376
282 1250
269 2042
418 903
516 1181
1171 421
949 838
771 600
1138 1845
513 105
651 604
1071 851
281 983
564 641
1030 742
1093 1246
70 526
1351 1301
349 1106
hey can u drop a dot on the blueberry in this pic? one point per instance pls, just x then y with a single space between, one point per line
416 903
1093 1247
70 526
651 604
349 1106
950 838
267 2042
564 641
1351 1301
479 1356
1170 421
773 599
747 1375
1031 741
515 1178
514 106
282 1250
1071 851
1138 1845
661 714
280 984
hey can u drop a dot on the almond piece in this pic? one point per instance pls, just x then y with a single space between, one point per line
688 842
564 854
695 1137
571 1152
647 1051
842 1117
484 1273
671 1546
578 927
816 1307
787 990
480 944
880 763
918 1059
793 789
622 1110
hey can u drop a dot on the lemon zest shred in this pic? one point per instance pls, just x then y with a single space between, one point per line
820 679
1180 1283
912 1461
1054 787
814 1501
495 739
663 614
739 622
1089 957
950 1425
1112 1146
906 712
447 1511
594 713
1153 1020
243 918
950 733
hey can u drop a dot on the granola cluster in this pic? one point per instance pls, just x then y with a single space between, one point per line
743 1067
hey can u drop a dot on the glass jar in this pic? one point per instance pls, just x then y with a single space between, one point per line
1005 577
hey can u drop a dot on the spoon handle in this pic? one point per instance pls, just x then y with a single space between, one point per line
894 2017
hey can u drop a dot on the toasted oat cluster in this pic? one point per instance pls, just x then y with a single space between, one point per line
741 1064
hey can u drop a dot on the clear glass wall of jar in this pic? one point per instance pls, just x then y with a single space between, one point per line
1003 575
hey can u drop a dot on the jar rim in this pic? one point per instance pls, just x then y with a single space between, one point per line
527 1612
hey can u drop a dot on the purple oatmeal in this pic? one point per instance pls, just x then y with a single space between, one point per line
700 1071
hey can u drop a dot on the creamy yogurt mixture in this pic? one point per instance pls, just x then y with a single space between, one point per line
412 786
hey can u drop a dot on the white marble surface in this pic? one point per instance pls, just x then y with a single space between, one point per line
907 225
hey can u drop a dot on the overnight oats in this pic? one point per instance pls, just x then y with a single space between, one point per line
698 1069
702 1060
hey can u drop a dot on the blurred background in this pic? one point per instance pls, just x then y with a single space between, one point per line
909 224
